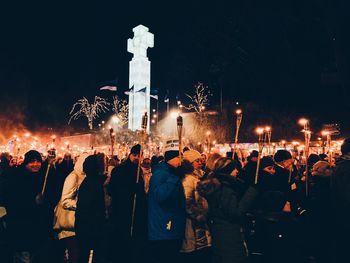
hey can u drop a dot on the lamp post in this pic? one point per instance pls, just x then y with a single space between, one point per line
307 136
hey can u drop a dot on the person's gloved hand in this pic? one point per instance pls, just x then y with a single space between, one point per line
39 199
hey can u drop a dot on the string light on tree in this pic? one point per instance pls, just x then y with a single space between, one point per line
89 110
121 110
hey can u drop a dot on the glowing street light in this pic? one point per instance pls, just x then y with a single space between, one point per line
115 119
303 121
174 114
259 130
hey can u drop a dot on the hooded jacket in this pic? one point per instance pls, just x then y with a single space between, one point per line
166 205
70 191
229 199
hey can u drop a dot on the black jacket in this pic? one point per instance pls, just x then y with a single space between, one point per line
229 199
29 223
122 189
90 213
341 192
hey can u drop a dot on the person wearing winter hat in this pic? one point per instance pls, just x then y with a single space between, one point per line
281 156
228 200
122 189
28 221
321 168
194 157
248 172
197 238
171 150
32 161
166 207
90 226
135 149
341 203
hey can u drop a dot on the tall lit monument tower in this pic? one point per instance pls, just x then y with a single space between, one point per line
139 76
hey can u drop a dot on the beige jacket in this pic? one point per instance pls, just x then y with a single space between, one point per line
197 233
69 196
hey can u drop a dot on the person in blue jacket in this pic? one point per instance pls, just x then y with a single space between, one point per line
166 207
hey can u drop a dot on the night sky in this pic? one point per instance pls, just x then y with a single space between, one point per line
290 57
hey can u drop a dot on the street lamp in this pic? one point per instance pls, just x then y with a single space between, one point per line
115 119
174 114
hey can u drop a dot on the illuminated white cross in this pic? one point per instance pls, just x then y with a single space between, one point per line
141 41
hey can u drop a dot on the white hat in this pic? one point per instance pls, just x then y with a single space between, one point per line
171 149
171 145
192 155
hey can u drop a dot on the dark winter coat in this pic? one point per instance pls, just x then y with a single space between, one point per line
229 199
90 212
166 204
122 189
29 223
341 192
248 172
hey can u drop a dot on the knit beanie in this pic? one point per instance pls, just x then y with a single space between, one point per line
266 161
171 150
254 153
282 155
191 155
136 149
320 167
32 155
226 166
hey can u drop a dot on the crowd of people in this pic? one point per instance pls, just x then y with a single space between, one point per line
180 207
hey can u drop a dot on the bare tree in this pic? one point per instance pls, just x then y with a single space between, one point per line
121 109
200 98
90 110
